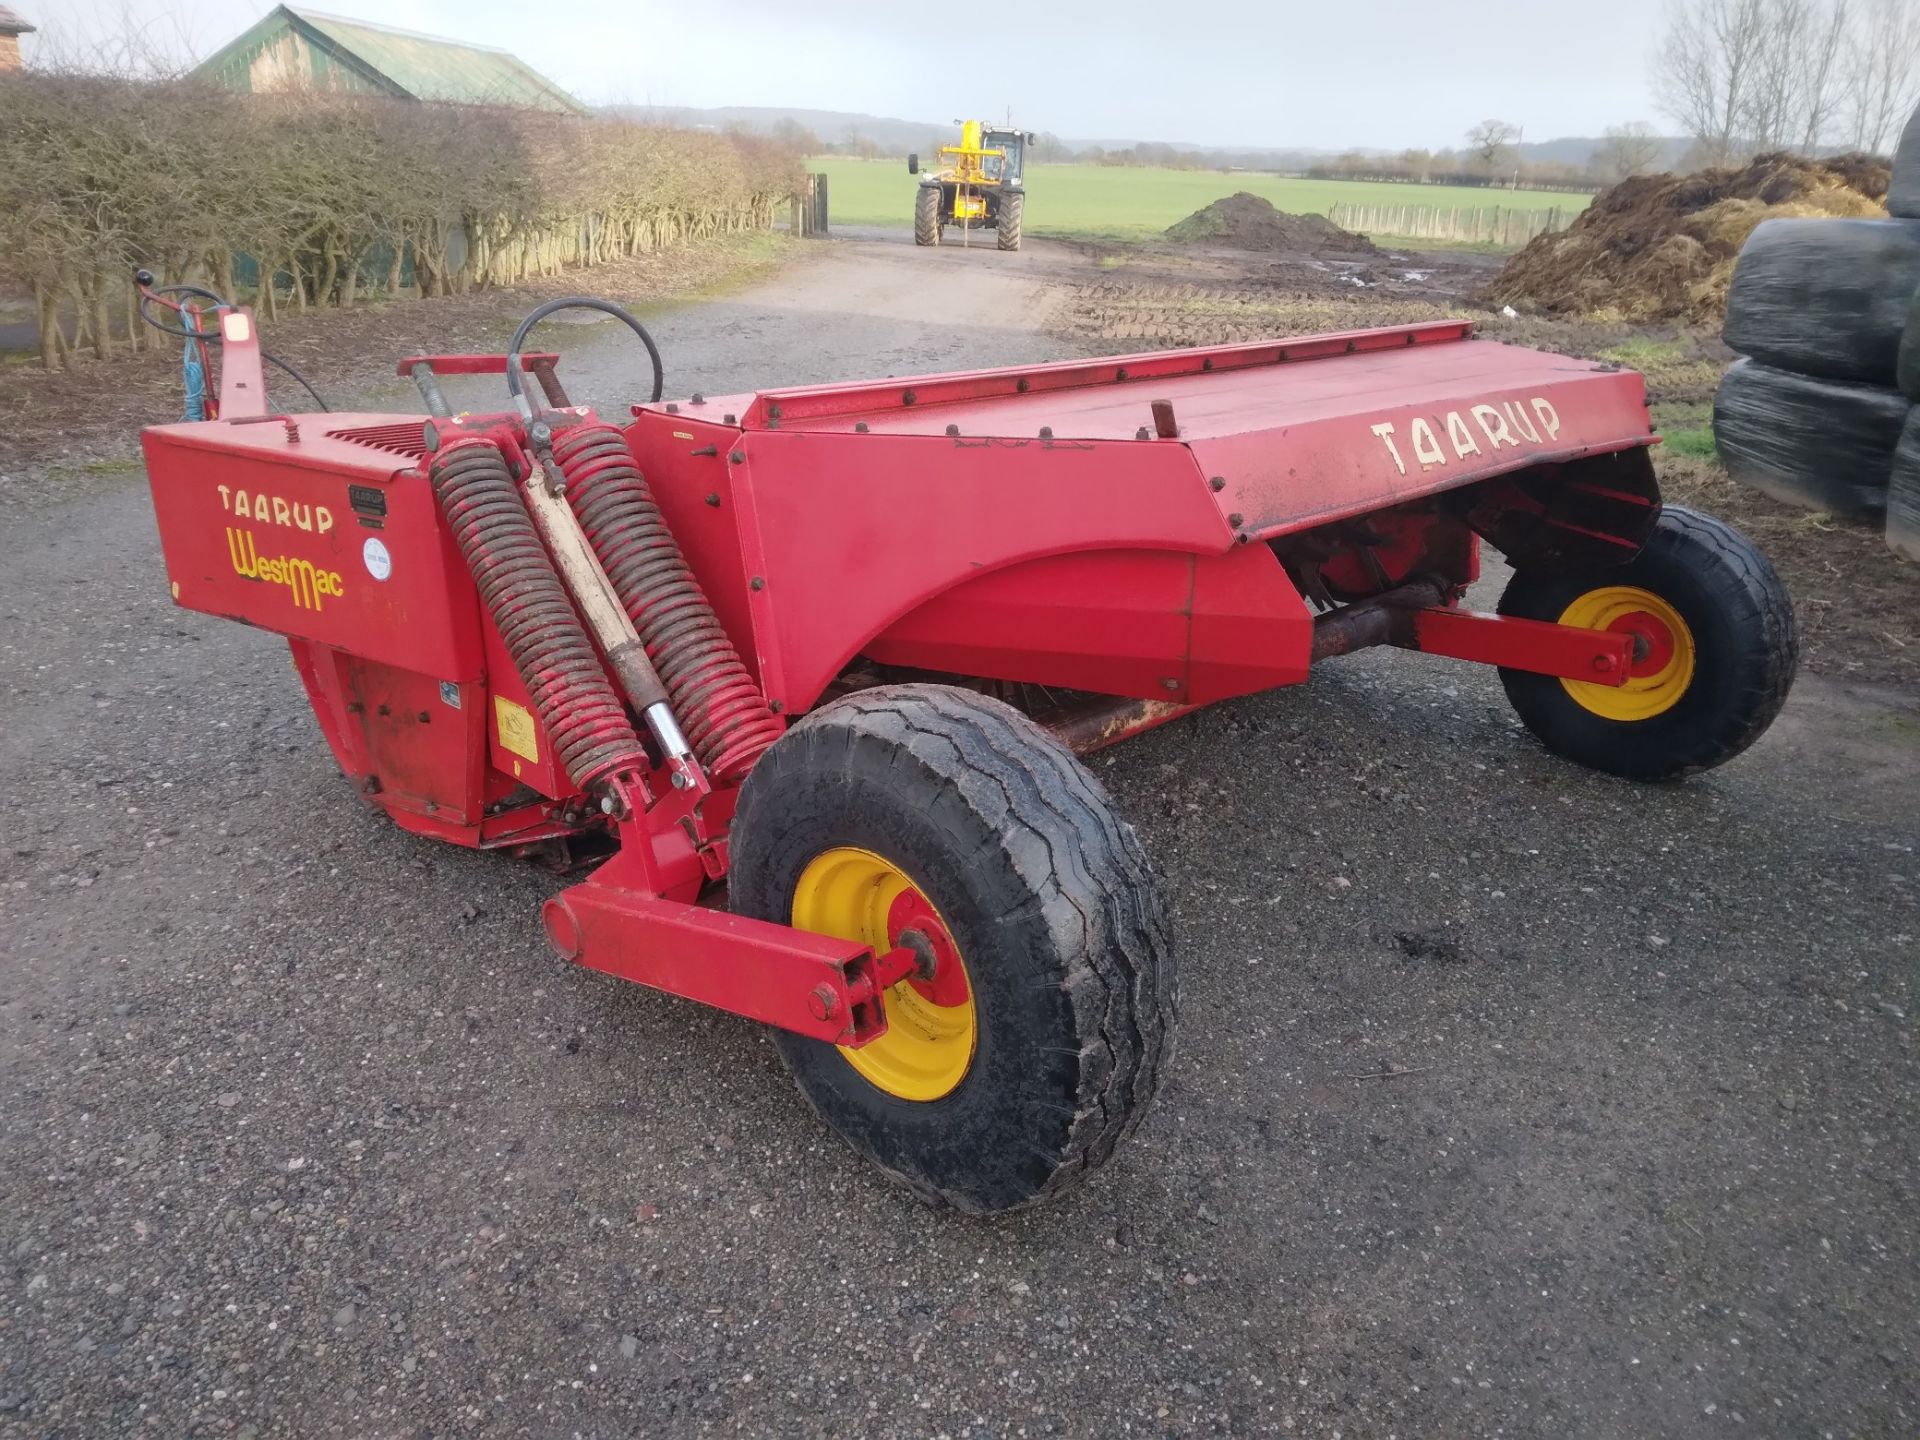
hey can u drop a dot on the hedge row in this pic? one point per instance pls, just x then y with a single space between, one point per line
323 196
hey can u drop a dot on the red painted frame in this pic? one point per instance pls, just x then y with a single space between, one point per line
1093 525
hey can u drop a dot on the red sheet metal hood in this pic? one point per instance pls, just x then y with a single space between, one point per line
1289 433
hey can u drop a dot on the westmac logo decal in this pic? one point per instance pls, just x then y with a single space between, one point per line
309 585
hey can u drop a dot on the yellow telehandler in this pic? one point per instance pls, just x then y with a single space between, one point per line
978 183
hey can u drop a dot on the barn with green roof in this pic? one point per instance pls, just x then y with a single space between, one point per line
299 49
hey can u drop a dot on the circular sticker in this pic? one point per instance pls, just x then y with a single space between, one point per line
379 563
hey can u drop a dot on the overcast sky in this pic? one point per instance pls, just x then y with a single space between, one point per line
1323 74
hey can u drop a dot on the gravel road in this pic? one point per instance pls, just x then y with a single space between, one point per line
1511 1100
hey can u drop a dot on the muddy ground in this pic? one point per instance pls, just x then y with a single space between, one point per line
1511 1099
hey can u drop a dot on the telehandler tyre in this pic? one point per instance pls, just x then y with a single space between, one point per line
1009 223
926 215
1037 1031
1717 646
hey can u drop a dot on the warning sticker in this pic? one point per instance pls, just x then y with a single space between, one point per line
516 729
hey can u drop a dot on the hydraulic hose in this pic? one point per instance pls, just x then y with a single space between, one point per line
516 381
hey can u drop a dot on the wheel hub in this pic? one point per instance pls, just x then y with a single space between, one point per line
1663 652
932 1031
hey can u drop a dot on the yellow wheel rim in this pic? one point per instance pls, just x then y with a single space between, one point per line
1662 667
931 1032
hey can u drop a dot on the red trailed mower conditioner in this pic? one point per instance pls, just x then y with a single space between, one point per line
812 668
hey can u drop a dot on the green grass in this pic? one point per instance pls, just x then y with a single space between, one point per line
1114 202
1642 353
1685 428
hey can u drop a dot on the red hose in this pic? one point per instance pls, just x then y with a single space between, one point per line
725 717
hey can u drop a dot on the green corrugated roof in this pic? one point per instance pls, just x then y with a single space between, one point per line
424 67
428 68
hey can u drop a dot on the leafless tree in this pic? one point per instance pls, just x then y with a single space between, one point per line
1822 70
1883 62
113 37
1745 76
1704 75
1630 149
1490 138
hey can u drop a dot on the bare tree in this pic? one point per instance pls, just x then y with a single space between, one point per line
1491 139
112 37
1746 76
1882 56
1704 75
1630 149
1821 74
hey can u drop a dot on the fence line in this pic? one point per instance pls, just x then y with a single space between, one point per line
1508 226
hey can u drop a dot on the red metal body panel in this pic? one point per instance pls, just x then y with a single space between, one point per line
1302 431
686 464
260 526
1194 628
396 734
849 533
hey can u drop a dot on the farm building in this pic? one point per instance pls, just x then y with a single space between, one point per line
12 27
303 49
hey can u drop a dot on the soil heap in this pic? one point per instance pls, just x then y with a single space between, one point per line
1662 247
1245 221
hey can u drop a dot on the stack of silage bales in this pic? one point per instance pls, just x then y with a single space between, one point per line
1827 312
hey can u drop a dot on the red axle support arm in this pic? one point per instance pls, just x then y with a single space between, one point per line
814 985
1601 657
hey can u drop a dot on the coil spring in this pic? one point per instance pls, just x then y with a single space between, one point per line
569 687
725 717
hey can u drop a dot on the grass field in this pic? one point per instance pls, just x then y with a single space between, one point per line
1112 202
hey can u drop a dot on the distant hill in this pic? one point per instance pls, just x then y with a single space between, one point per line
893 136
836 127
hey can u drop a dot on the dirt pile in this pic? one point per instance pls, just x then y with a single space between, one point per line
1245 221
1662 247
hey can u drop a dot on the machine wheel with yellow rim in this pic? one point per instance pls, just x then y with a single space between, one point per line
1032 1032
1715 647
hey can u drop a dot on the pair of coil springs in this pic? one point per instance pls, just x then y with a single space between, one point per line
726 719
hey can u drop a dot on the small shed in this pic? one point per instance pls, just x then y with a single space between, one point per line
12 27
296 48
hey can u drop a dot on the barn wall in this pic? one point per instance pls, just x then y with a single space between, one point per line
283 59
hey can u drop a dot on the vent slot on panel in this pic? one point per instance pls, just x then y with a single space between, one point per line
402 437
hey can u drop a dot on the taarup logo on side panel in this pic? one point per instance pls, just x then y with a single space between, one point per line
310 586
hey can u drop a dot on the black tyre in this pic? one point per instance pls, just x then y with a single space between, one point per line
1903 194
1907 371
1718 655
1825 297
954 821
1008 225
1824 444
926 215
1903 493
